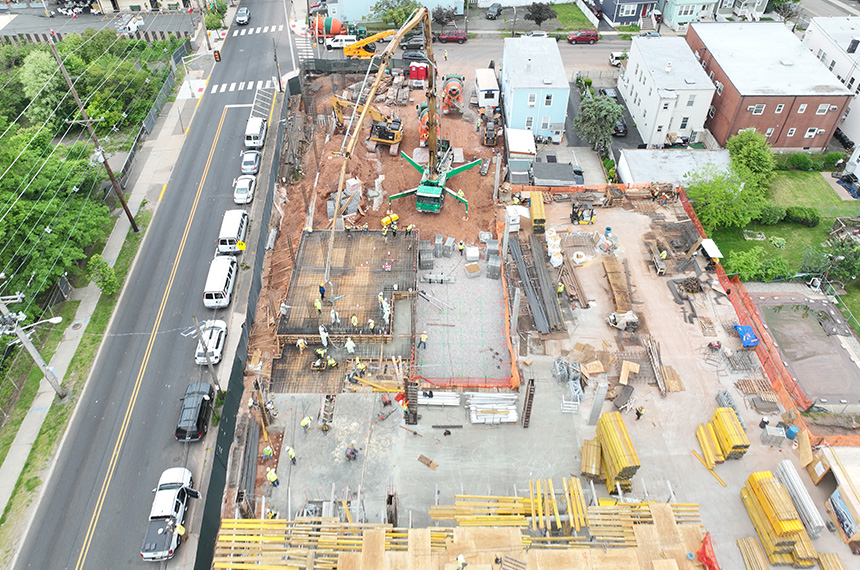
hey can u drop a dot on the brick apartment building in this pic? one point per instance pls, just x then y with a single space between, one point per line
766 80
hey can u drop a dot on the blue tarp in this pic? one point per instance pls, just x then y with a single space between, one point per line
748 337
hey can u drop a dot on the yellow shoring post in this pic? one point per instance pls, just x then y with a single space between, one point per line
532 504
711 471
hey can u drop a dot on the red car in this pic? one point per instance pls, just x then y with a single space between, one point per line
583 37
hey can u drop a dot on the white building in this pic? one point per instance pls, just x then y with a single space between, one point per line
836 43
667 166
666 90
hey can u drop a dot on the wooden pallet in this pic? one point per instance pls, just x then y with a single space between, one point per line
672 379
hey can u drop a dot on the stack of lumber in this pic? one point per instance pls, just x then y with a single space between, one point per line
712 453
776 521
752 554
729 433
618 456
809 514
591 468
830 561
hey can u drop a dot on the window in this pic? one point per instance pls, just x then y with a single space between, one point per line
684 123
544 123
719 88
832 64
790 132
811 132
530 121
821 55
691 100
659 128
822 109
711 76
649 91
532 99
628 10
711 111
665 106
779 108
759 109
801 109
850 83
769 132
686 10
547 102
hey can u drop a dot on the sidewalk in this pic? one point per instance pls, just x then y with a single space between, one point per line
151 172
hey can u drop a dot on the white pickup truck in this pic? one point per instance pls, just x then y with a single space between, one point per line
163 533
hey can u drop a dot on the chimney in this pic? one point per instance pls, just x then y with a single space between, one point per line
668 67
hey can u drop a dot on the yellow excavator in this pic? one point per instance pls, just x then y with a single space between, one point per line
366 48
384 130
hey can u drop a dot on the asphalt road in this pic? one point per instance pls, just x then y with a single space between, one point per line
94 513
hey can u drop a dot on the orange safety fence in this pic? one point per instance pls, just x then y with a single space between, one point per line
790 394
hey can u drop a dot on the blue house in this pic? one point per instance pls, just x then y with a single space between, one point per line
677 14
625 11
534 87
357 10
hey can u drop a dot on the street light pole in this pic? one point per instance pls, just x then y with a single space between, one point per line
11 320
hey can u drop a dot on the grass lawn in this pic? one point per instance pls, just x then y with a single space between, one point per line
570 17
797 239
796 188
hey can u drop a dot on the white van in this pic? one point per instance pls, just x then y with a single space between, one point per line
234 226
340 41
220 282
129 25
255 132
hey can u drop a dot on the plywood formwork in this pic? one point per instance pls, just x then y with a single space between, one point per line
617 283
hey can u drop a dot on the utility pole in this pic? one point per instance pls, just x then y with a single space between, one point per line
277 66
203 19
206 352
99 151
11 321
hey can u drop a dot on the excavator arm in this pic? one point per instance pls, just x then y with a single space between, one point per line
339 104
358 51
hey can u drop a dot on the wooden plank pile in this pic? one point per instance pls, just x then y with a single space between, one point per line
730 434
830 561
752 554
590 469
776 521
618 457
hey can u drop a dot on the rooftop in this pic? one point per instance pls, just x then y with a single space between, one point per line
765 58
684 70
840 30
667 166
534 62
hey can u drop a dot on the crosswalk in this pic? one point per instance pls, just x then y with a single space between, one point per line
258 30
242 86
304 47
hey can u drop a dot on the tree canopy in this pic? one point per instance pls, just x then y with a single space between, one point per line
751 152
596 120
443 16
539 12
721 198
394 12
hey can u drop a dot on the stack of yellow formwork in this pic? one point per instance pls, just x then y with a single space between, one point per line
711 451
730 435
591 469
830 561
776 521
618 457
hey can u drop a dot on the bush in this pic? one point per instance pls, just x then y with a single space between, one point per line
213 21
831 158
608 164
221 7
771 214
103 274
800 161
808 217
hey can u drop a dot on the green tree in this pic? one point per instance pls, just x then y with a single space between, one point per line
750 150
844 261
213 21
394 12
539 12
721 198
745 264
103 274
596 120
443 16
38 69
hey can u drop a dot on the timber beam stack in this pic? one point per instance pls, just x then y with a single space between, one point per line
712 453
619 458
776 521
591 465
729 433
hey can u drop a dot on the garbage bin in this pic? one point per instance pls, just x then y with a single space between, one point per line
764 423
792 432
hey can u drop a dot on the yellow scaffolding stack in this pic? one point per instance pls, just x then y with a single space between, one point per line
591 468
729 434
619 458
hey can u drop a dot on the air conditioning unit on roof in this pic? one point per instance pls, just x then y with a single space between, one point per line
834 107
751 108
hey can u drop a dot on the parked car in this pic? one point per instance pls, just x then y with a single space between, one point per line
536 34
243 193
251 161
494 11
583 37
167 514
458 36
414 56
578 175
620 129
195 412
243 16
214 338
608 92
616 57
650 34
413 43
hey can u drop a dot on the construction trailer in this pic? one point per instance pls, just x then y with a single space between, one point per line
486 89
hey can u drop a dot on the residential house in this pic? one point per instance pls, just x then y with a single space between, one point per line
835 42
741 10
666 91
644 166
534 87
768 81
621 12
678 14
356 10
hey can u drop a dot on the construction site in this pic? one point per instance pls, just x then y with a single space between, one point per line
453 370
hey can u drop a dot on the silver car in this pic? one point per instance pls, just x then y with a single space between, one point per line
251 161
243 16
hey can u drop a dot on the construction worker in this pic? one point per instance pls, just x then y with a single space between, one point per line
335 318
384 231
404 405
461 194
409 229
322 290
639 411
422 343
380 297
252 403
272 476
180 529
446 55
461 246
394 229
461 562
318 365
560 289
318 306
361 367
351 452
320 352
663 254
365 229
332 363
301 344
292 453
354 320
349 345
370 324
268 453
348 230
477 125
306 422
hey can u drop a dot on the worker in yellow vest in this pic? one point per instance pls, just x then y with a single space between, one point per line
560 289
422 342
306 421
331 362
461 246
354 320
272 477
318 306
